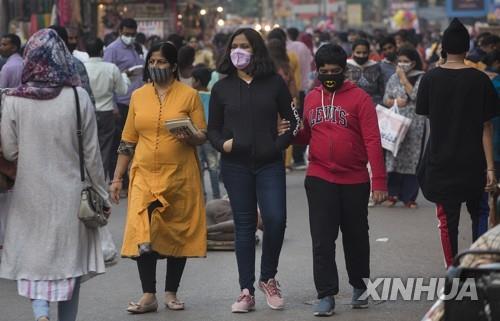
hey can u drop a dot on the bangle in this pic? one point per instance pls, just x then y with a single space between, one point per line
491 170
118 180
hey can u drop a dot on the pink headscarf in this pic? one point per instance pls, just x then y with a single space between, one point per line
48 67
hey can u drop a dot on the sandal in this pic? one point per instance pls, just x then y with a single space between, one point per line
136 308
412 205
172 303
390 202
175 305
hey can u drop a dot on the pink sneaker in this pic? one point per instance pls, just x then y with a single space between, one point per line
273 294
245 303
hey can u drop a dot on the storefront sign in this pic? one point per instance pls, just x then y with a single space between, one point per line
151 28
467 8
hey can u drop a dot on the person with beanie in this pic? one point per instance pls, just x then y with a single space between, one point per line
341 129
457 163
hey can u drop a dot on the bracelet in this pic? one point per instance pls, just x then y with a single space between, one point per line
118 180
491 170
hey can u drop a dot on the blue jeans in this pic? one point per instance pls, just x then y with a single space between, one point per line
246 187
209 159
66 310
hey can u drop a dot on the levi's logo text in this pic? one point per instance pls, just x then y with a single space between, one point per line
332 114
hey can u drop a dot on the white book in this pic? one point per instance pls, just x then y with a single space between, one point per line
181 123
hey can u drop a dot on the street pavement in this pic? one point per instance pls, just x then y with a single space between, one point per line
209 286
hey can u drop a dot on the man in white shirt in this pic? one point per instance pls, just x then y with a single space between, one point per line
73 40
106 80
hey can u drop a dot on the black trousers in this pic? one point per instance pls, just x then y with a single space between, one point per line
146 264
106 132
333 206
119 125
449 217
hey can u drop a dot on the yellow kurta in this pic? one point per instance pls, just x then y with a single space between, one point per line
166 170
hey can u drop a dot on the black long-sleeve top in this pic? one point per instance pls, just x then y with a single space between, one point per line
248 113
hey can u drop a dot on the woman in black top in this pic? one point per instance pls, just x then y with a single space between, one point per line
242 125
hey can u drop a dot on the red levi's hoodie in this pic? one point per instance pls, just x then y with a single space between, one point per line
343 137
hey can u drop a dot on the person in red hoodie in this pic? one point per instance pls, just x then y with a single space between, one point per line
341 128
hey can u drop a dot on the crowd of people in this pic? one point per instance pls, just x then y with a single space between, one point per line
260 105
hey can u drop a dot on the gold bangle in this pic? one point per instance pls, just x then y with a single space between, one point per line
118 180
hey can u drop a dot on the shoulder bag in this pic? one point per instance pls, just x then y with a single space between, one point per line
92 205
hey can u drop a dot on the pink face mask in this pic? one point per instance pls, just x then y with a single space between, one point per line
240 58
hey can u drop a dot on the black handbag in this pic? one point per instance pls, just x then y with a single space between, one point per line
92 205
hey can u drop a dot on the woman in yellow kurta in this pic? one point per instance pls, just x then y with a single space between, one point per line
166 214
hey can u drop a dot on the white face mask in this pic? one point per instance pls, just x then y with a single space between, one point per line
406 66
127 40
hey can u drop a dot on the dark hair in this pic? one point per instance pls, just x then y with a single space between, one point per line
94 47
14 39
361 42
168 51
261 64
277 52
110 37
220 40
140 38
404 34
325 37
412 54
61 32
386 41
185 57
330 54
128 23
154 39
490 40
293 33
203 75
277 33
177 40
492 57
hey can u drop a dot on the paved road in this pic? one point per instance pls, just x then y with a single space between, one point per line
210 285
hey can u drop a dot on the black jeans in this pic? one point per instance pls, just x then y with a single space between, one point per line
146 264
332 206
246 187
106 132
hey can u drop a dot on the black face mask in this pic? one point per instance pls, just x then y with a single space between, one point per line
331 82
392 56
360 60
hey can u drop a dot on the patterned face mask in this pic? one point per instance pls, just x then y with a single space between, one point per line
405 66
160 76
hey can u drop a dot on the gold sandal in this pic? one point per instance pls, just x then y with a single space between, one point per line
136 308
175 305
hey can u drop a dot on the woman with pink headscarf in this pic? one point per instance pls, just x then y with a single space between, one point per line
39 132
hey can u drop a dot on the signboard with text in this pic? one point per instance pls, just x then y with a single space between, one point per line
467 8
